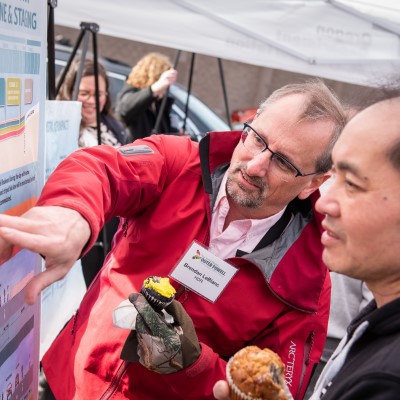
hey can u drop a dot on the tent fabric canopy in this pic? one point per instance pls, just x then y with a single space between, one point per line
350 41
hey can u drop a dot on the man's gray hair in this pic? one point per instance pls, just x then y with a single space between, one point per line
320 104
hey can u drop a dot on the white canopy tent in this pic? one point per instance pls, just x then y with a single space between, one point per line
350 41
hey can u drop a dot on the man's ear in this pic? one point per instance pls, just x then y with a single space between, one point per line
314 184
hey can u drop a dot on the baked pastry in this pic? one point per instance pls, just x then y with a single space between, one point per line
158 292
258 374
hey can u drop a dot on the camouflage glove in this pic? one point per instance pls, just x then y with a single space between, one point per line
161 346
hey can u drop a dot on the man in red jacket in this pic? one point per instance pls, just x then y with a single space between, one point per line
361 233
231 220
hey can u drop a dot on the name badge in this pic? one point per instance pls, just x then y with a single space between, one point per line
203 272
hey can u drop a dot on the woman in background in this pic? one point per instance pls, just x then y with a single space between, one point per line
112 131
140 99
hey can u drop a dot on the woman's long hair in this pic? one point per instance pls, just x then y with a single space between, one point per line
148 70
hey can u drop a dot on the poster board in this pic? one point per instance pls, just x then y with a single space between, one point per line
23 46
61 299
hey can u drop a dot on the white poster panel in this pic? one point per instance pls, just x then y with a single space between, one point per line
60 300
23 47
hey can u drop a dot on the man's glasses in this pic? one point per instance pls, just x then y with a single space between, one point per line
86 95
255 144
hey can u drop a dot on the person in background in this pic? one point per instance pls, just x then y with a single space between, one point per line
112 132
361 233
140 99
246 197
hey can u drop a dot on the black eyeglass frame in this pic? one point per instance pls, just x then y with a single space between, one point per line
273 154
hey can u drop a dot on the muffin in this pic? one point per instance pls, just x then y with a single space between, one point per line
255 374
158 292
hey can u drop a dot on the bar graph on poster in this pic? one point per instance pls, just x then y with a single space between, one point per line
22 95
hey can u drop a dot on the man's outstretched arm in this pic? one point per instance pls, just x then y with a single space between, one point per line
59 234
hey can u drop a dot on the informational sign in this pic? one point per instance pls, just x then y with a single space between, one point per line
23 46
62 298
62 121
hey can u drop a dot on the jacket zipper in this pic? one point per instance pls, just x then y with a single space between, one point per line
307 351
122 368
115 381
125 227
74 323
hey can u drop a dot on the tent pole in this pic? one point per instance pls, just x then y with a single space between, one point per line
164 100
188 92
51 65
221 73
97 90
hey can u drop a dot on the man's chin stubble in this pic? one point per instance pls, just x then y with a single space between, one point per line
244 200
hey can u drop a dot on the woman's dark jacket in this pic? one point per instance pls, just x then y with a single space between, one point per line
138 108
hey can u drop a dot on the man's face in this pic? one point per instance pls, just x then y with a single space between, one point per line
255 189
362 203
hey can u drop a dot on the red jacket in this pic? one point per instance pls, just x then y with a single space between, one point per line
278 299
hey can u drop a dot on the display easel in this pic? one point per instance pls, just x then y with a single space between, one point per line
87 28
